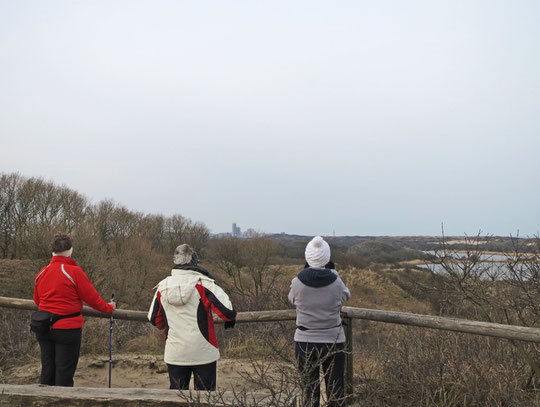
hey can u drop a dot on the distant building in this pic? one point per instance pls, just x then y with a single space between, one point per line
236 232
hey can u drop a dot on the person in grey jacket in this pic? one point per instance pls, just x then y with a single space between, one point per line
318 293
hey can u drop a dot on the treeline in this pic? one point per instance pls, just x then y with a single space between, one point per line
32 210
117 246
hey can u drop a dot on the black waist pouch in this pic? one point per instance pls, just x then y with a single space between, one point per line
42 321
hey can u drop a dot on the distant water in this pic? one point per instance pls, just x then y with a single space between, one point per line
492 266
483 256
489 269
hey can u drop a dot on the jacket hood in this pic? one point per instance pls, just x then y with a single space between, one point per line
178 288
314 277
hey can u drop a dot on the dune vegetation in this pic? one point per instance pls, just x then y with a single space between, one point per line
127 253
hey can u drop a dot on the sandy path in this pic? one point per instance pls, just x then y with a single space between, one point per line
134 370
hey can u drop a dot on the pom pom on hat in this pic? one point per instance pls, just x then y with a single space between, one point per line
317 252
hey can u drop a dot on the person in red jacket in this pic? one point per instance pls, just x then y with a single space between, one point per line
60 288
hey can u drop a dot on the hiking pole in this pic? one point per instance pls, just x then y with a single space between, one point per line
110 344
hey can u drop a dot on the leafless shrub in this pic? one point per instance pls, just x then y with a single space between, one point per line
128 336
430 368
506 292
233 398
272 377
247 263
16 341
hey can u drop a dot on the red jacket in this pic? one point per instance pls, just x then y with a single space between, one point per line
61 287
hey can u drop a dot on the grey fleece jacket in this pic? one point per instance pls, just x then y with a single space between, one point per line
318 295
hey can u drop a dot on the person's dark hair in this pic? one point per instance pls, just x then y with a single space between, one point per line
194 259
61 243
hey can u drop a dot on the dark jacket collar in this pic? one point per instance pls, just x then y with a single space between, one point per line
313 277
63 259
193 268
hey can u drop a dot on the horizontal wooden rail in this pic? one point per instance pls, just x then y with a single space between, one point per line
142 316
515 332
39 395
426 321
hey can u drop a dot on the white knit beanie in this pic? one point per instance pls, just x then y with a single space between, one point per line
183 254
317 252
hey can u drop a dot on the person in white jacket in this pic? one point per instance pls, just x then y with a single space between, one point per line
183 306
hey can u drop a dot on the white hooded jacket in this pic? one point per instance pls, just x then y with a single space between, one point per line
183 306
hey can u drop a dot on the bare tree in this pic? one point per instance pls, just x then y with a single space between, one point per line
175 231
9 184
197 235
228 255
247 263
152 228
258 251
504 292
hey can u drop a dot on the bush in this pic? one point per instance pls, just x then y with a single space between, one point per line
424 367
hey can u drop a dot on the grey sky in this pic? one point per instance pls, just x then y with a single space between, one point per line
363 117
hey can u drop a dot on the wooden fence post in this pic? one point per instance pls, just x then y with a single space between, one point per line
349 364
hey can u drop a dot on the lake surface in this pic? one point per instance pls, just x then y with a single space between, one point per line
490 266
499 270
461 255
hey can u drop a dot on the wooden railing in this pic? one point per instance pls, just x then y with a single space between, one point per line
349 314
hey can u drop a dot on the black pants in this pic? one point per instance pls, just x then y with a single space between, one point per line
204 376
331 356
59 356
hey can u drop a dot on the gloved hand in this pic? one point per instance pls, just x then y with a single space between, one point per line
230 324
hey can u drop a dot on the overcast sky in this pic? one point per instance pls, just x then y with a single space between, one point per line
305 117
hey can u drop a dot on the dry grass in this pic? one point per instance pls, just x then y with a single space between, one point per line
419 367
371 289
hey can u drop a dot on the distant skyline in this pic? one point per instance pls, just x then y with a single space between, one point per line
304 117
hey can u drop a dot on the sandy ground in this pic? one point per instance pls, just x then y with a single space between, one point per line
135 370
